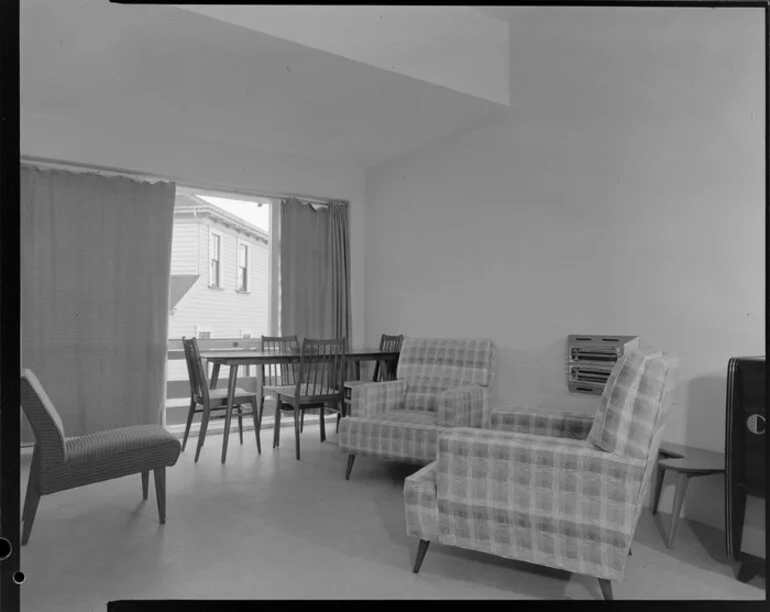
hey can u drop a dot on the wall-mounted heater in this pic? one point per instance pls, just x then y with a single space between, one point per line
590 360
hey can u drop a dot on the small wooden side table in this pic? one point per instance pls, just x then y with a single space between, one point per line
688 462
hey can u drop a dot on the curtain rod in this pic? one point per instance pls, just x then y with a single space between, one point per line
52 162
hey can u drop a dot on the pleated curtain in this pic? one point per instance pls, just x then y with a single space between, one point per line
314 270
96 259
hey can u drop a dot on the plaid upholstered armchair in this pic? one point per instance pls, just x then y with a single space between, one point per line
558 490
440 383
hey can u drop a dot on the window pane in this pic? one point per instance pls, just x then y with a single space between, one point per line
236 257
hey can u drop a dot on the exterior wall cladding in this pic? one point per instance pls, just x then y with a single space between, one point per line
224 311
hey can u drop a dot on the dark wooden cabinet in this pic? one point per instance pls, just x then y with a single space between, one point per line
744 453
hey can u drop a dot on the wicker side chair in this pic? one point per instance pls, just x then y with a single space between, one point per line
59 463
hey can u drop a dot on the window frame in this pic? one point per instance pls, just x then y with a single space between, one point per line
220 280
247 245
199 329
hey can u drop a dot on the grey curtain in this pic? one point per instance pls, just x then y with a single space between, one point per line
314 270
96 259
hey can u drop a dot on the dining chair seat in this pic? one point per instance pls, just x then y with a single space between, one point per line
290 391
240 394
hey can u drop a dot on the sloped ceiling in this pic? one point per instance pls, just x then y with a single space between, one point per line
172 71
457 47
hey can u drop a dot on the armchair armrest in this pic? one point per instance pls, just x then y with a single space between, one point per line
374 398
567 483
461 406
542 423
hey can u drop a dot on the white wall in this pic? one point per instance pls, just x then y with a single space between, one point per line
205 163
621 193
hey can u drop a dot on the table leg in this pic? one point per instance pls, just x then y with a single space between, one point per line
659 476
214 376
229 414
682 479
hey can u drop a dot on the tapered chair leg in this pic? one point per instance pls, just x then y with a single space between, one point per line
422 548
240 423
302 422
339 418
190 416
226 435
322 416
351 459
277 424
145 484
31 501
255 416
202 432
606 587
296 428
160 493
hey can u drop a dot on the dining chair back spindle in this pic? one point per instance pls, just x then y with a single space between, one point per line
385 369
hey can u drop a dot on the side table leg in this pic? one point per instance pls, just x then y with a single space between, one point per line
681 489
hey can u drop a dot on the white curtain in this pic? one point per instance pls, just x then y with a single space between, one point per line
96 259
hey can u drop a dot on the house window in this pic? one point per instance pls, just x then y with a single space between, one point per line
202 333
215 259
243 267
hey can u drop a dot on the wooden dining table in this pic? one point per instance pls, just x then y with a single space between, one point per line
234 358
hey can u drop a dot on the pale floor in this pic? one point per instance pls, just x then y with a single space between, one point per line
266 527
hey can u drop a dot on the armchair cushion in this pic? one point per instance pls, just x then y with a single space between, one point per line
552 424
628 411
372 399
401 435
461 406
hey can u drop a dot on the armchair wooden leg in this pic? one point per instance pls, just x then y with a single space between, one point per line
190 416
160 493
31 501
255 416
145 484
296 427
351 459
422 548
606 587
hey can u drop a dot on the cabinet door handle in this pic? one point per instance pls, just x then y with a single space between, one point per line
753 424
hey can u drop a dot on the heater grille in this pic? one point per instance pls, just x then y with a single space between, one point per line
590 360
